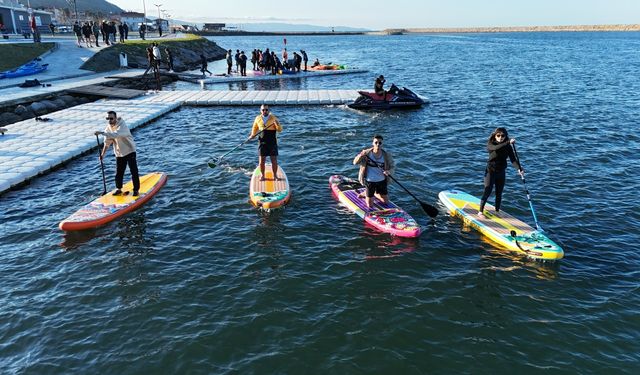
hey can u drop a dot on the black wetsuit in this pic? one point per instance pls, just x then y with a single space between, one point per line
495 172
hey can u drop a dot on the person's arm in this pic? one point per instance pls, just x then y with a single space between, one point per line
360 158
254 129
512 158
278 125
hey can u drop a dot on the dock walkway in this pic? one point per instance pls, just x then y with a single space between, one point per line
30 148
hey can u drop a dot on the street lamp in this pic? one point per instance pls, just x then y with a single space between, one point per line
158 5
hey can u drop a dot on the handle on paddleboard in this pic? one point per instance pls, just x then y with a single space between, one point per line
429 209
526 190
104 179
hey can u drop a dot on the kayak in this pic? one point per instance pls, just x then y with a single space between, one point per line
387 218
25 70
269 193
110 207
501 228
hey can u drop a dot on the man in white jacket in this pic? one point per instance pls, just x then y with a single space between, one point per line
118 134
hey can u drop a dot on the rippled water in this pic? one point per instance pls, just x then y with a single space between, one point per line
198 281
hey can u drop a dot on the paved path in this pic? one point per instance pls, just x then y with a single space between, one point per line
31 148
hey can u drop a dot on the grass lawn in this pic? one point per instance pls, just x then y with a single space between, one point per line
14 55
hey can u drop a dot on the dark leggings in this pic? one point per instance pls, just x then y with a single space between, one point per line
121 166
492 178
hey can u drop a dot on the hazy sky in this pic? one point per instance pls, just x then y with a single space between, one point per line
381 14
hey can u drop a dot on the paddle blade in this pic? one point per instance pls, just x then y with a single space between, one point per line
429 209
212 164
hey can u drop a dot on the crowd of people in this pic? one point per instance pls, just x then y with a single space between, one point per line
267 62
89 33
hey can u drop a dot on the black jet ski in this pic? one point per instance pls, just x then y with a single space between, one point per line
394 98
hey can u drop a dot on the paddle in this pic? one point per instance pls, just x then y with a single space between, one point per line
524 182
429 209
213 164
104 180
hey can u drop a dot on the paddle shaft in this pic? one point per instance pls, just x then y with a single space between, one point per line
429 209
526 190
237 147
104 179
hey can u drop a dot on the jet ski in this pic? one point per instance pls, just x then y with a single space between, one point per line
394 98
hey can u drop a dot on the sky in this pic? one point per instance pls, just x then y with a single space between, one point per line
383 14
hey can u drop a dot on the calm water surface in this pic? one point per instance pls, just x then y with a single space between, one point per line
198 281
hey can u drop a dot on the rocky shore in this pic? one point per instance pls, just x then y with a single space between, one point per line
186 53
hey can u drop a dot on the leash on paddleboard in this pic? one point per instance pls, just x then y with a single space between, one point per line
429 209
104 180
515 238
524 183
214 163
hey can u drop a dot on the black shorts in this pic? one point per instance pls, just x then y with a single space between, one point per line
268 149
379 187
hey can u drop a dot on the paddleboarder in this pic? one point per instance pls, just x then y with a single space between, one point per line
268 124
499 148
375 165
124 147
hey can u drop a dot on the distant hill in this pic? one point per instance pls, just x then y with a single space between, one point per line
95 6
289 27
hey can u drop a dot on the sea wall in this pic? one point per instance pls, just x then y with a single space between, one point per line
627 27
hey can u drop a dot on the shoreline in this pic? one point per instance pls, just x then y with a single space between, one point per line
509 29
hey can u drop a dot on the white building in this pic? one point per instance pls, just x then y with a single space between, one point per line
132 19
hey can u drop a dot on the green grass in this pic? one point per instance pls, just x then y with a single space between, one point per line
14 55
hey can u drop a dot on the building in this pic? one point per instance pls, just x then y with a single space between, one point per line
14 18
133 20
213 26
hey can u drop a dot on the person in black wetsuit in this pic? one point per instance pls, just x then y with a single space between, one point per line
499 148
268 124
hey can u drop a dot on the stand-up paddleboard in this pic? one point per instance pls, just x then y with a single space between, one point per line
110 207
387 218
270 193
502 227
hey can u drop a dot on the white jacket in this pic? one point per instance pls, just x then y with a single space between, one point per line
120 136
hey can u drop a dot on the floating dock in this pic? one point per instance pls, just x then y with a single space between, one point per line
30 148
259 76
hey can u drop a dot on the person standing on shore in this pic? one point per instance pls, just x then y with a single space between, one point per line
86 33
156 54
229 62
254 58
52 28
304 58
125 27
95 29
499 148
121 32
375 165
124 148
169 59
78 31
151 61
104 28
236 58
268 124
203 62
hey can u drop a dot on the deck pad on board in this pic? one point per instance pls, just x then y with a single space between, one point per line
386 217
270 193
499 226
109 207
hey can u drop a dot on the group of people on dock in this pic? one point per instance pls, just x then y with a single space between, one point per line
267 61
375 163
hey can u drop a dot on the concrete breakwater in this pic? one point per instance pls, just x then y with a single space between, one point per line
620 27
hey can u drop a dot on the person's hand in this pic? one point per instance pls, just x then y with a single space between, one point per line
98 133
386 173
521 171
363 153
512 140
101 156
